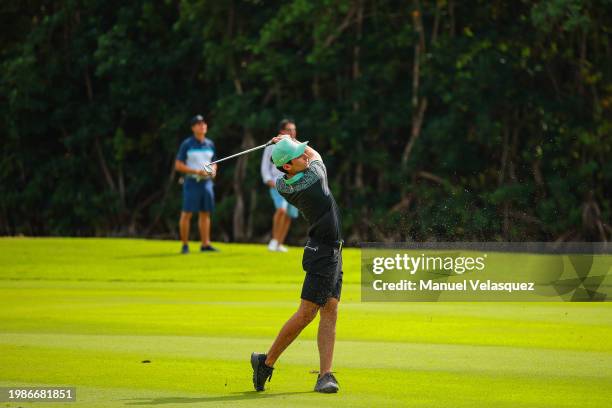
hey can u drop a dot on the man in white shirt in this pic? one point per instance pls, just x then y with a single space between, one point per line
281 221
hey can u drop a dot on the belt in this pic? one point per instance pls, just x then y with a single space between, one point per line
197 179
333 244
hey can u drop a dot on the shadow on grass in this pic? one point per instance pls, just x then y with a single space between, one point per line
235 396
166 255
160 255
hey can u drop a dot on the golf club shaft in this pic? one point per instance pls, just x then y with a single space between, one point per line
241 153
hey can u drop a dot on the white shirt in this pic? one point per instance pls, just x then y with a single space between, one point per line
269 172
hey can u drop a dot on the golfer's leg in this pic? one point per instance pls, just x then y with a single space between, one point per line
286 222
326 336
204 224
184 226
292 328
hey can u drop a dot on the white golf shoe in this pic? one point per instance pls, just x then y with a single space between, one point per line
273 245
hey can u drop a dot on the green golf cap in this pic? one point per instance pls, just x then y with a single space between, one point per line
286 150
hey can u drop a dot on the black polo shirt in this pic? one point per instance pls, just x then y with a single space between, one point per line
309 192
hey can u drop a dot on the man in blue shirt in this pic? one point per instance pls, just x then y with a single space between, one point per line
198 193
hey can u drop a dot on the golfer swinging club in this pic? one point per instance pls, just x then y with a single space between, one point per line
305 186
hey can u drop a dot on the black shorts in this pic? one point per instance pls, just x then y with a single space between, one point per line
323 266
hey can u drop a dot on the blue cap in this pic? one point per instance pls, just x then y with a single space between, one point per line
197 119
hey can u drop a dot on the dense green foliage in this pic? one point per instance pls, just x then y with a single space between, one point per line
471 120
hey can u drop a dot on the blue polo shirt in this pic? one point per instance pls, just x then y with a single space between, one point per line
195 154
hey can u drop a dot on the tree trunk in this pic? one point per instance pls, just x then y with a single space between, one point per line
356 105
164 198
238 229
97 146
451 13
251 214
103 166
419 104
359 227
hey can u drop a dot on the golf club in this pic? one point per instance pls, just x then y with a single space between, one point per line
208 167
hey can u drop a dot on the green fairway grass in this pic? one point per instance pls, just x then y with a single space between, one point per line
88 312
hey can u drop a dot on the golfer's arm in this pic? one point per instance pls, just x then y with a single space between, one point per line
312 154
183 168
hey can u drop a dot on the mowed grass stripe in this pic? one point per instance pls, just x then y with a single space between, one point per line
125 308
149 260
401 356
222 380
264 293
